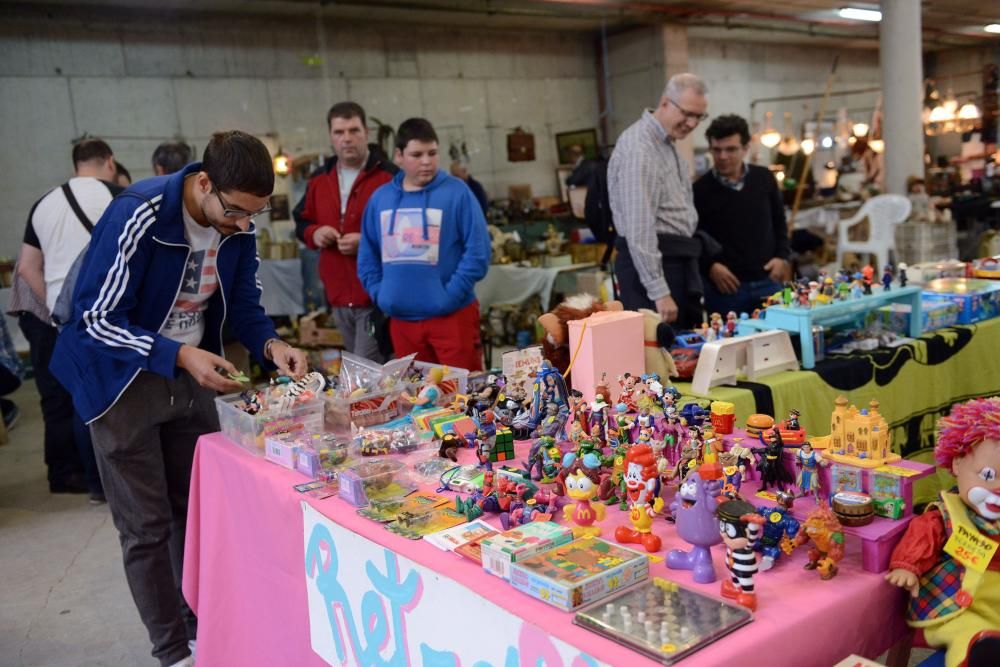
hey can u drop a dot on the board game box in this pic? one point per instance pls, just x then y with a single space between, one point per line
452 538
499 552
578 573
663 620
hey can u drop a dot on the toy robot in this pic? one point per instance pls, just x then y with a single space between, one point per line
778 524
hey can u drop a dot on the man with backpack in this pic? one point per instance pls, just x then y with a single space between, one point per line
58 229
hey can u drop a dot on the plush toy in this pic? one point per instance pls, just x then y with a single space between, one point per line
658 336
555 344
947 558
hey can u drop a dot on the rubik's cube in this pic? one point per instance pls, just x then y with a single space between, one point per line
503 449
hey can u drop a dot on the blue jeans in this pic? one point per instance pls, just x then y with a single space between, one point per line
749 296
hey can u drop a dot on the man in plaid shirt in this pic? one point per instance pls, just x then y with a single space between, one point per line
649 187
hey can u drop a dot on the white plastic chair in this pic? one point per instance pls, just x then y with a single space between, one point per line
884 212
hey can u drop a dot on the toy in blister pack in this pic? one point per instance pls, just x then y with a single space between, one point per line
887 494
388 509
845 478
549 387
414 526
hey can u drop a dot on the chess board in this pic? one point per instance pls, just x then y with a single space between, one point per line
662 619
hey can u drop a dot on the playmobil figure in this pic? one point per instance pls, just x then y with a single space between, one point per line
902 274
792 423
769 464
808 460
887 278
584 513
740 528
430 392
694 513
857 286
947 558
778 524
823 530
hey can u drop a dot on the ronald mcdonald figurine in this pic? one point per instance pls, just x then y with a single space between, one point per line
947 558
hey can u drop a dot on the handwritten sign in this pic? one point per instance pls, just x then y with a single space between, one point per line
972 550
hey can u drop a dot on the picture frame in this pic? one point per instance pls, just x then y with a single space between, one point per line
587 140
279 207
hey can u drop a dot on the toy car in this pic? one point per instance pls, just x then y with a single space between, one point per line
686 360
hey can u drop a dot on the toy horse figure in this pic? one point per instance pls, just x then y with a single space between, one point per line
694 513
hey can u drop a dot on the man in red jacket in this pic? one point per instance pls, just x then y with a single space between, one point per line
328 219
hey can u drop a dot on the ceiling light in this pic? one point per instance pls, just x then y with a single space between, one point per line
940 114
860 129
826 142
951 103
993 27
282 163
969 111
770 137
858 14
877 145
808 146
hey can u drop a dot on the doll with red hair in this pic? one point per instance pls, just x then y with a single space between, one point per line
947 558
642 480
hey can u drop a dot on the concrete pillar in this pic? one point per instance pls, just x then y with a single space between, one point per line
674 41
901 59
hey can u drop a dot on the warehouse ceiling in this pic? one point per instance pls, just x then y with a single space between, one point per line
946 23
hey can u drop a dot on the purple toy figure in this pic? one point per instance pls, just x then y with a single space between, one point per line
694 514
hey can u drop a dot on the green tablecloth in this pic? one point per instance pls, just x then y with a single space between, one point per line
915 384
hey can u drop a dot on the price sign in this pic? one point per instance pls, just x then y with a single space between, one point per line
970 549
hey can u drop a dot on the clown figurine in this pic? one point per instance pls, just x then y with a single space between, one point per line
947 558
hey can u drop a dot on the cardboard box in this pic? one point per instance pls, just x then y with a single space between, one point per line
978 299
315 331
612 343
586 252
500 552
579 573
933 315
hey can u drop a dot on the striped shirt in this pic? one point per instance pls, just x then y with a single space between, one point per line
649 188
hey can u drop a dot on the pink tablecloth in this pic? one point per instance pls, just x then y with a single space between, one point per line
243 576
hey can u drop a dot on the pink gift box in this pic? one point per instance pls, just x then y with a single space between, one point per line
613 343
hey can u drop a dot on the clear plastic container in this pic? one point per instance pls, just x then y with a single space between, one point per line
455 382
375 479
248 431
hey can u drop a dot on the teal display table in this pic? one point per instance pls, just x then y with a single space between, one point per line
798 320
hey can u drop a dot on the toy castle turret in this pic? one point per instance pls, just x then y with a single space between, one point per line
857 437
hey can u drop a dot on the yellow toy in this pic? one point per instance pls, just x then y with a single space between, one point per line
584 513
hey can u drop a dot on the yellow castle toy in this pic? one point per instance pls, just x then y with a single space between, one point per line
857 437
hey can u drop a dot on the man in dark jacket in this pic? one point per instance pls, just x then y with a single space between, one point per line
739 205
328 219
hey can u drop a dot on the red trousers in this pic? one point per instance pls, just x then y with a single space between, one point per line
452 340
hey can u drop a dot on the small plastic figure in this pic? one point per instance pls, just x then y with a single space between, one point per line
823 530
731 323
902 274
778 524
627 383
792 423
769 464
857 286
740 527
429 393
641 515
867 277
694 514
803 296
887 278
947 559
584 513
624 424
450 443
808 460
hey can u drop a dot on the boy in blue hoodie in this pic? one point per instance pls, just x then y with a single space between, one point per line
424 246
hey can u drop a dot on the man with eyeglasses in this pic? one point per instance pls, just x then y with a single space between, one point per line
649 188
170 260
740 206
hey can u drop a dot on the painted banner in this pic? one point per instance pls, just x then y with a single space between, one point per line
371 607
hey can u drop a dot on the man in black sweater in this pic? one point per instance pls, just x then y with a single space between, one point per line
740 206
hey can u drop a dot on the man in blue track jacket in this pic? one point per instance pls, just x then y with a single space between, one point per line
170 260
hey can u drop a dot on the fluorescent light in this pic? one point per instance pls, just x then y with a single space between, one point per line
993 27
857 14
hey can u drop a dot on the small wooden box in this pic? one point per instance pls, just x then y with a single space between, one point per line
314 332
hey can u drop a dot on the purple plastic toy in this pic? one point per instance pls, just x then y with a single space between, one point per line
694 512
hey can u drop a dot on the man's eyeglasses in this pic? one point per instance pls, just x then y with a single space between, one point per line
230 212
689 115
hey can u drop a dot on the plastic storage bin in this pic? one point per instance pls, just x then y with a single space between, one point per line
249 431
455 382
372 409
925 242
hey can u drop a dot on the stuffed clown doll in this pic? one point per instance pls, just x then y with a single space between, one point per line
948 558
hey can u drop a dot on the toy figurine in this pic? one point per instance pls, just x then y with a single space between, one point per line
535 467
641 515
792 423
624 424
641 481
584 513
429 393
843 288
947 559
450 444
829 291
740 527
808 460
813 293
731 323
802 294
902 274
734 468
867 277
599 418
887 278
823 530
778 524
627 383
578 409
486 437
694 513
857 289
769 464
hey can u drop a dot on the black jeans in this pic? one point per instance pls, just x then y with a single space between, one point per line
145 448
633 293
68 449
